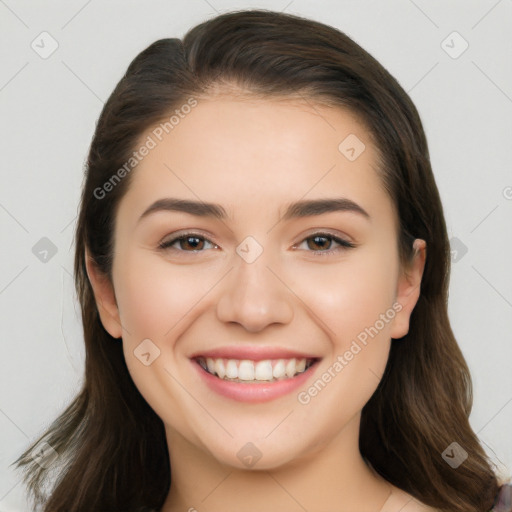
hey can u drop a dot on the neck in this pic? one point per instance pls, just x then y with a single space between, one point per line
331 476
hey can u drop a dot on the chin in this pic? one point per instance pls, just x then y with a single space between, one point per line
256 455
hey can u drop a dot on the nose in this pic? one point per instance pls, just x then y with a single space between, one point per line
254 296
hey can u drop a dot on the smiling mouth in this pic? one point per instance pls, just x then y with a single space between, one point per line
251 372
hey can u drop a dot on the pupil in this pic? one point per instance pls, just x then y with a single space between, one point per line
317 238
194 238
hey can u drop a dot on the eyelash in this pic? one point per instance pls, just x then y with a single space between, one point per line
167 244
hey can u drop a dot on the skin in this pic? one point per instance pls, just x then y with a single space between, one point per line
290 296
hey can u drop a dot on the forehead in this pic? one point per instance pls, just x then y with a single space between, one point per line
246 153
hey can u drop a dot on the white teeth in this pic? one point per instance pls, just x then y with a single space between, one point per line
210 364
263 370
247 370
300 366
219 368
279 370
290 368
231 369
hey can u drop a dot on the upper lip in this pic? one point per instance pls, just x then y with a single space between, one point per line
254 353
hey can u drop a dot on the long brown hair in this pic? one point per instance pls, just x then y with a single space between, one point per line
111 446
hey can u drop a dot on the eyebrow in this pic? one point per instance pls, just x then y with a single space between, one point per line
303 208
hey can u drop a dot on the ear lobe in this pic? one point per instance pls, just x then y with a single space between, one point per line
408 289
105 298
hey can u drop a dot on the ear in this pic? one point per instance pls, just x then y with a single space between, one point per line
408 289
105 298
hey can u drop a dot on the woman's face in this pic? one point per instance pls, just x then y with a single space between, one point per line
260 278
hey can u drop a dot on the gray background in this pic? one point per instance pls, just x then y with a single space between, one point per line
49 107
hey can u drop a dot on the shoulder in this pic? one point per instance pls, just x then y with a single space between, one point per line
403 501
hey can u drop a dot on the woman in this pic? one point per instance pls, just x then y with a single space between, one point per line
262 264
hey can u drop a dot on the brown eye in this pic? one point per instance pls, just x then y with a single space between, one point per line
321 243
194 243
190 242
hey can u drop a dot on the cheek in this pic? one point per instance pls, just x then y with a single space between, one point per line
156 297
355 302
351 295
158 301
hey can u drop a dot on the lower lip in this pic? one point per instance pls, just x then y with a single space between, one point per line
251 392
